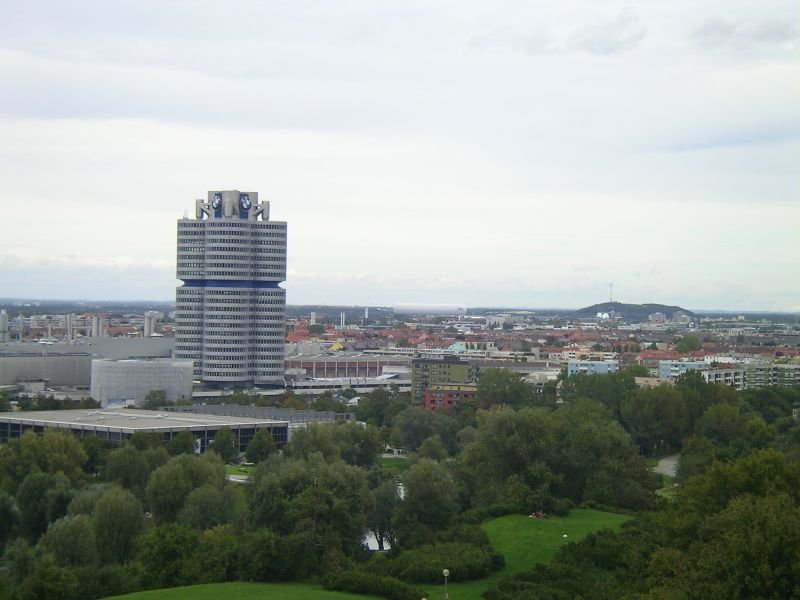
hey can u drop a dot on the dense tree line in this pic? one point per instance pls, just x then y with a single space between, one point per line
82 519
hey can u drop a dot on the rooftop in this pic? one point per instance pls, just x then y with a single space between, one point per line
129 419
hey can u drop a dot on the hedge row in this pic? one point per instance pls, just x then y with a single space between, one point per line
358 582
425 563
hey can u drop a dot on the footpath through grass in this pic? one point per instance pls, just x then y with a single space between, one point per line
243 591
525 542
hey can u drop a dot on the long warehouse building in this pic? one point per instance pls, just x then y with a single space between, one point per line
118 425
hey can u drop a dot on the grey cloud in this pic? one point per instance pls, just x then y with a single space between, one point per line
620 34
721 32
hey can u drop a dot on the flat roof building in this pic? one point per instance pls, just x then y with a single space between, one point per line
118 425
119 383
592 367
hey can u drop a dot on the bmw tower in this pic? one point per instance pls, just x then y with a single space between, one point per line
231 311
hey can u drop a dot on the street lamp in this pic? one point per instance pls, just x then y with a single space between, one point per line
446 574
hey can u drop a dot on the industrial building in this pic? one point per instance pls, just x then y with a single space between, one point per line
71 369
231 311
118 425
118 383
344 364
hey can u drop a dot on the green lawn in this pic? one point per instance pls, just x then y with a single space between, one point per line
395 464
525 541
243 591
239 470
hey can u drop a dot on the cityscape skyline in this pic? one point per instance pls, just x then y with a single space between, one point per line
512 154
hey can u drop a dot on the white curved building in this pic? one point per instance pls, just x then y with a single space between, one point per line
230 311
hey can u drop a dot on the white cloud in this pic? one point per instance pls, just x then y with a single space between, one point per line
620 34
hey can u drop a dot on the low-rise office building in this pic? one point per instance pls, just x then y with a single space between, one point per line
118 425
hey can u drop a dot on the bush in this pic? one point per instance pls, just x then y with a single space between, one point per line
475 516
358 582
465 534
425 563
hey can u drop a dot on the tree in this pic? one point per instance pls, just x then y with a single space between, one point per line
71 540
326 402
726 426
688 343
221 554
751 549
657 419
316 329
47 580
315 437
142 440
129 467
167 554
208 506
42 498
155 399
507 462
385 500
359 444
97 450
609 389
413 425
318 508
594 459
433 448
8 518
225 444
169 486
118 519
260 446
429 505
181 443
503 387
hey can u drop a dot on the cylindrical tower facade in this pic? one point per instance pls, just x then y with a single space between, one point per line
230 310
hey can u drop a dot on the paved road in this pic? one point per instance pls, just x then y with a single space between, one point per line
668 465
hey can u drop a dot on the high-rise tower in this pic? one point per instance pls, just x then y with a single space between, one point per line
231 311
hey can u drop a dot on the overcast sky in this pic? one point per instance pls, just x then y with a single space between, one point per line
500 153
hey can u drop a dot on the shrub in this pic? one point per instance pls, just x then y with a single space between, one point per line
475 516
425 563
358 582
465 534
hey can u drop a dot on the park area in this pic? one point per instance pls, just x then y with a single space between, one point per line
523 541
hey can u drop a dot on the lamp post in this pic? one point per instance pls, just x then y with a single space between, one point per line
446 574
